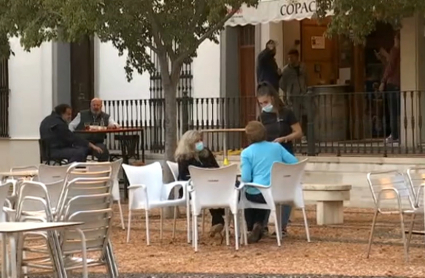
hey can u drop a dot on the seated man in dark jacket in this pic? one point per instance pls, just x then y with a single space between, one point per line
64 144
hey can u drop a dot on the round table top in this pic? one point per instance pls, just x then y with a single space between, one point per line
111 130
28 173
326 187
224 130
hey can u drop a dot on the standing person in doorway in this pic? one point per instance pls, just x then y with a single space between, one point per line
391 84
294 84
282 127
267 69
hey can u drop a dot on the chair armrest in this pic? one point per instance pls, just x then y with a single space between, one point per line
169 187
256 185
136 186
241 186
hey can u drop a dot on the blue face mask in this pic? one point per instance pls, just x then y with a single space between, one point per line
268 108
199 146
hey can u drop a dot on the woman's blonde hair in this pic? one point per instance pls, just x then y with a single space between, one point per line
186 146
255 132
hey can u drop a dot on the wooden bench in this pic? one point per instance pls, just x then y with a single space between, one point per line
330 201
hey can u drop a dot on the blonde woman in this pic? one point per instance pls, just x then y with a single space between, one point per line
191 151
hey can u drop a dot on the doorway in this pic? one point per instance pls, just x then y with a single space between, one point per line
246 52
82 73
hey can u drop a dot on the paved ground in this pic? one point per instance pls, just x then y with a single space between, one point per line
199 275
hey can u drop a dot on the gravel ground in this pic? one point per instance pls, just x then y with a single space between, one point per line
200 275
335 251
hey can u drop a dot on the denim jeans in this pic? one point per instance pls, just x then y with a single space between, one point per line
285 214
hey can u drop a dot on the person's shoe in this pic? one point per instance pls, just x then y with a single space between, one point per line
216 229
284 233
255 234
391 140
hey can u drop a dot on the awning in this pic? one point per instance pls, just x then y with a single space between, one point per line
273 11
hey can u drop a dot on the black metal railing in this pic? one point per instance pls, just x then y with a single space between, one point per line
4 113
338 124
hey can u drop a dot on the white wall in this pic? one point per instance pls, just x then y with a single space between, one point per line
111 82
30 82
206 71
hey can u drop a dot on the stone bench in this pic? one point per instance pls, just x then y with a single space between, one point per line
330 201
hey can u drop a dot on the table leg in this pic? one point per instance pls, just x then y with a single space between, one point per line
4 272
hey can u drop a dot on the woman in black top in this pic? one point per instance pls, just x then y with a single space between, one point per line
191 151
282 127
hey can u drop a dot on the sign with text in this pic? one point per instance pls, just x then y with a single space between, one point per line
273 11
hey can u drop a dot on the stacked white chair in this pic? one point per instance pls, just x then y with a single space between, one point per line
147 191
8 270
392 195
116 166
285 188
214 188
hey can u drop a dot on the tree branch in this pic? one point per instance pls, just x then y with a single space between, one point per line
207 34
156 29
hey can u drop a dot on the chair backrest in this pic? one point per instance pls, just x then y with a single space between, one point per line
34 197
149 175
214 187
22 169
49 174
174 168
115 167
416 176
388 187
4 188
286 182
95 212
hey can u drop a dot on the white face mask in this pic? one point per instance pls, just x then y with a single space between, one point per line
268 108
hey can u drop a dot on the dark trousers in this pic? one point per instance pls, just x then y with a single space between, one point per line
394 107
75 154
253 216
217 216
101 157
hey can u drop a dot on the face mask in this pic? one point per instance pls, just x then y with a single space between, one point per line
268 108
199 146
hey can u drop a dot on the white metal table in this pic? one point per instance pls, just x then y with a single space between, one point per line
12 228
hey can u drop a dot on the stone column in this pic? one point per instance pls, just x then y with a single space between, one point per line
412 69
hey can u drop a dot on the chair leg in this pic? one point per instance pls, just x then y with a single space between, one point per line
307 230
236 224
403 236
128 226
278 225
189 236
409 237
372 230
161 224
121 214
175 222
226 226
244 228
203 221
195 232
278 234
148 241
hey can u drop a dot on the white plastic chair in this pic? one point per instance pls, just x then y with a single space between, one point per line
285 188
174 168
116 166
391 195
49 174
147 191
14 180
214 188
10 267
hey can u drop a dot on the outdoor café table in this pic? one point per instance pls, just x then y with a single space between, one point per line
224 131
20 174
122 130
13 228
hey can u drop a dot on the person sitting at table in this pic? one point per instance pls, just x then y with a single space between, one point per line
191 151
64 144
256 165
94 116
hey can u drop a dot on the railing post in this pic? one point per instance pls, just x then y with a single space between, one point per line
311 140
185 112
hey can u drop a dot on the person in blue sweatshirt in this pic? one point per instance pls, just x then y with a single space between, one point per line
256 165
